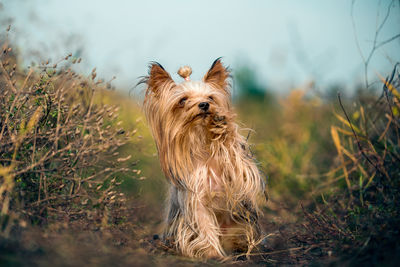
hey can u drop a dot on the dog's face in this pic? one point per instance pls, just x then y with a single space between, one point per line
195 103
179 107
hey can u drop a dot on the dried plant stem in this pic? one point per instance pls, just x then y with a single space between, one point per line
356 136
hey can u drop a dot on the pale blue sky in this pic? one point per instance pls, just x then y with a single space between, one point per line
287 42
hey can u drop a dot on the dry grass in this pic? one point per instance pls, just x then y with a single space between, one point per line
360 211
59 146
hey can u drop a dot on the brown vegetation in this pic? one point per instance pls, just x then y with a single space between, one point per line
58 147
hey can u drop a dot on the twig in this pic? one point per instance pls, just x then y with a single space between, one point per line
270 253
8 79
355 135
385 90
387 41
375 45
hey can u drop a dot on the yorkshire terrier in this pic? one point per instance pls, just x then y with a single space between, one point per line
215 186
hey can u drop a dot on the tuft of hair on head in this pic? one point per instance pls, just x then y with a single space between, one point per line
185 72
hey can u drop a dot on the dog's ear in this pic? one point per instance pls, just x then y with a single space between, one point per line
158 79
218 75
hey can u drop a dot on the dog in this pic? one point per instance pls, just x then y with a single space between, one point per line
216 190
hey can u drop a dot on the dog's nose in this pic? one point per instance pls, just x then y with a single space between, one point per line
204 106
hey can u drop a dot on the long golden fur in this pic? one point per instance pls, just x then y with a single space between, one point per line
215 186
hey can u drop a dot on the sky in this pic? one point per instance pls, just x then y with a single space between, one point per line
287 43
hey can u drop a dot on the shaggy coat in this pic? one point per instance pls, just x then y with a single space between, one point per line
215 186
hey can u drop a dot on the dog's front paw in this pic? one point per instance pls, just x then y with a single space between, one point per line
218 125
217 119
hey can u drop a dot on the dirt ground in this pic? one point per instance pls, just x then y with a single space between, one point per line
135 242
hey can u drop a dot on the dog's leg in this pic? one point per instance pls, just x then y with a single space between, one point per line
191 226
207 241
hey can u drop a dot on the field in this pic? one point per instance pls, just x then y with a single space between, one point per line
80 182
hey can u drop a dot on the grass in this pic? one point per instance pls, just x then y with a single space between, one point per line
80 181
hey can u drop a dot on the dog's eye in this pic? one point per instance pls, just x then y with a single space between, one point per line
211 98
182 101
